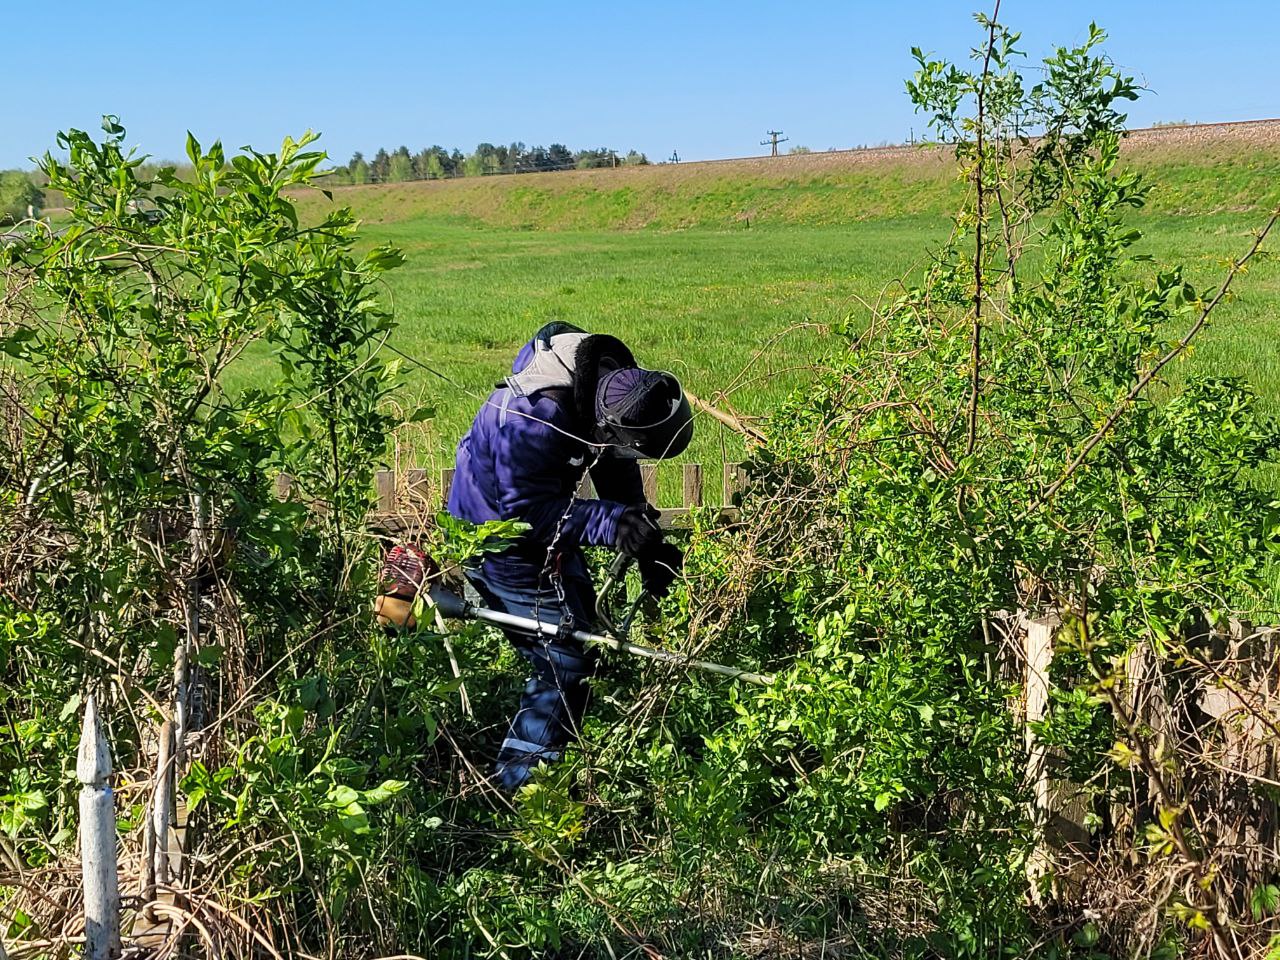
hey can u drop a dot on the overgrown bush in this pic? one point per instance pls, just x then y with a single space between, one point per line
999 440
993 444
146 556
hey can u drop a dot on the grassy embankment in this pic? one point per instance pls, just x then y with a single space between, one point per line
704 268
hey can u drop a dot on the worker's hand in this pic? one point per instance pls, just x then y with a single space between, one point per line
660 567
638 530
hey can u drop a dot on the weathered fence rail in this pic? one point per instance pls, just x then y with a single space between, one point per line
408 497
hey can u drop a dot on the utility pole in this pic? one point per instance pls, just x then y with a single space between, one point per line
675 157
775 138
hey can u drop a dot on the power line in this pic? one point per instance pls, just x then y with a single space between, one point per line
775 138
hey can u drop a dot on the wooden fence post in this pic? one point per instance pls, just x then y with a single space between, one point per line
692 485
735 478
100 875
415 484
162 808
649 482
421 496
1039 654
385 482
1244 746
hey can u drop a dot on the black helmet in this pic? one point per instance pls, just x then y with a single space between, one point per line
644 412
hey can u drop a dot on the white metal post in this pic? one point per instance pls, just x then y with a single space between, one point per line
98 841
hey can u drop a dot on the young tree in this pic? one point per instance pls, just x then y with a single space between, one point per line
439 162
999 435
559 157
513 157
380 167
534 160
485 160
358 168
419 163
400 167
139 523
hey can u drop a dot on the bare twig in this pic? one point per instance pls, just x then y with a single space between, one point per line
975 360
729 420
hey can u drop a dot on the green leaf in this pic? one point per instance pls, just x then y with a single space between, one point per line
1264 900
354 819
384 257
210 655
340 795
385 791
1087 936
165 644
16 343
19 809
71 708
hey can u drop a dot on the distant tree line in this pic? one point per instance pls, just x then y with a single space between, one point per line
437 163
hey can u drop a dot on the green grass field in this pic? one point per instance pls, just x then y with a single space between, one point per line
724 309
726 305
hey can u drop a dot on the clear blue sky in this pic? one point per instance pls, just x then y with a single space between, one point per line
704 78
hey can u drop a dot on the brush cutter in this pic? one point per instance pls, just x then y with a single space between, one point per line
450 605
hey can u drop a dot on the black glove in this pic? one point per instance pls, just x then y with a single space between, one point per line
660 567
638 530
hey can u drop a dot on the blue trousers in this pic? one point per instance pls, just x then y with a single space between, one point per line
556 694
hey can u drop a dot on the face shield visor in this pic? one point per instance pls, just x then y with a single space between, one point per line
644 413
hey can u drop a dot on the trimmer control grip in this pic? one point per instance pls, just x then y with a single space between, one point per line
449 603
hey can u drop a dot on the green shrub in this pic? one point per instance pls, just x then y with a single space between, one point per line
992 443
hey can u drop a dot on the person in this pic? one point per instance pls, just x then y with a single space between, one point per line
576 403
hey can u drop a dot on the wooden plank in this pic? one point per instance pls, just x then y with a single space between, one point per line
162 807
670 516
1039 654
649 480
385 485
417 489
692 485
402 526
735 480
1229 699
1247 747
